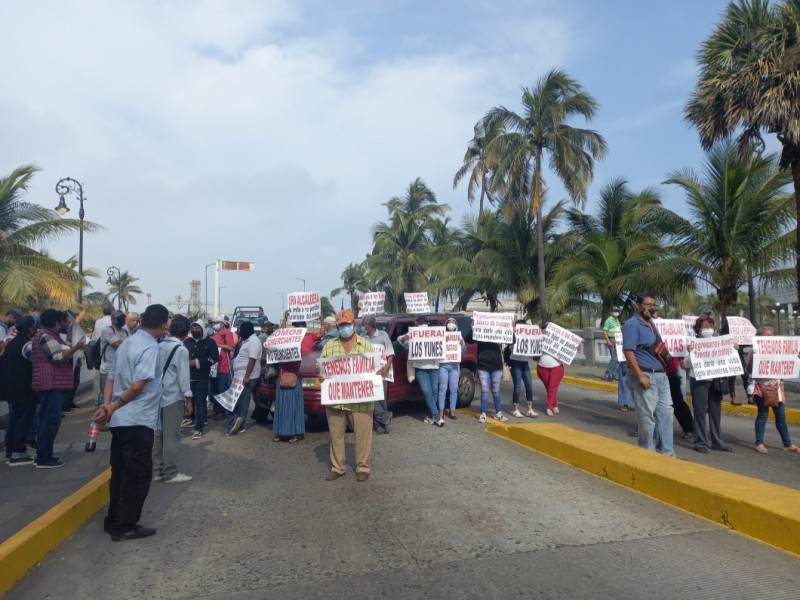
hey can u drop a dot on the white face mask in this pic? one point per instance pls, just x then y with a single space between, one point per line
615 313
451 327
706 332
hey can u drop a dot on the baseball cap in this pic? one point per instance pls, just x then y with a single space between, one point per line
344 316
16 313
117 313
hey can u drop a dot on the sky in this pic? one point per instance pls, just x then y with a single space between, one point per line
273 131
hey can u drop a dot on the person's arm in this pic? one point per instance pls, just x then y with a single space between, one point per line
608 340
284 320
251 363
80 315
55 353
633 364
104 412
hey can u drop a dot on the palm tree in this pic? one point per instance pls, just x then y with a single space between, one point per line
748 84
541 133
26 271
741 221
354 280
476 164
122 289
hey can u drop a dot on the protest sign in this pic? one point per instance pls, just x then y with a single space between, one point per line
618 348
742 330
689 321
350 364
417 303
452 347
493 327
304 306
561 343
348 389
775 357
673 334
372 303
78 337
284 345
715 357
382 353
426 343
228 398
527 340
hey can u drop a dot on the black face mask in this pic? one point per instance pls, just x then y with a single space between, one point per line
197 334
120 322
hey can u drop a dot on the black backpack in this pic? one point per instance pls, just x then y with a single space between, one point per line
95 355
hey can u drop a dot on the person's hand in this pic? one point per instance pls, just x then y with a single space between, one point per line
246 381
644 381
103 414
690 347
286 314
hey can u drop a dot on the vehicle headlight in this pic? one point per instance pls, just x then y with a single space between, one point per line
310 383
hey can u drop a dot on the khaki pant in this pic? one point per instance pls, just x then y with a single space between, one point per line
362 429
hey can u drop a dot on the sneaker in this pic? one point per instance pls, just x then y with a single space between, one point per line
158 477
549 413
179 478
186 423
440 422
388 422
517 414
482 418
500 417
197 435
237 425
50 463
555 410
531 413
430 420
242 430
19 461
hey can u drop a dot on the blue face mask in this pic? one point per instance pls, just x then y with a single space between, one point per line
346 330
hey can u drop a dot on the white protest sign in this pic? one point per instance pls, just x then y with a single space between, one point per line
689 321
426 343
493 327
776 357
304 306
742 330
350 364
715 357
527 340
618 347
348 389
417 303
372 303
78 337
382 353
673 334
284 345
561 343
229 397
452 347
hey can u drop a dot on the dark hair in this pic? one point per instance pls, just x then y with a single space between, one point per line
298 324
246 329
155 316
179 327
703 319
50 317
421 319
107 309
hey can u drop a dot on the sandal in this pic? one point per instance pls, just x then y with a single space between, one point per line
277 438
624 408
761 449
791 448
294 440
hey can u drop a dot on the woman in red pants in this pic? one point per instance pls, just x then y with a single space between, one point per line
550 372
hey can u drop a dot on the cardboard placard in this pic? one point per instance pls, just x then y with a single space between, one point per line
715 357
452 347
229 397
304 306
742 330
417 303
673 334
493 327
372 303
426 343
561 343
775 357
349 389
284 345
527 340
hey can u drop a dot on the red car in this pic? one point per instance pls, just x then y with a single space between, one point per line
400 389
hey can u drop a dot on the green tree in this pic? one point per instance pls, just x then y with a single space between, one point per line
740 221
542 133
476 164
122 290
749 82
354 280
27 273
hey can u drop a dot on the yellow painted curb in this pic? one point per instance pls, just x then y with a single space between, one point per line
762 510
32 543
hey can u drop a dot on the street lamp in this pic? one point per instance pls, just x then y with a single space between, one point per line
282 309
64 187
110 272
206 288
304 282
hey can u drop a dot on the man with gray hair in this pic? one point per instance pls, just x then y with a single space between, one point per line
132 323
382 344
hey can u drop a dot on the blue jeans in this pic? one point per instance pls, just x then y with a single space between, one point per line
429 381
242 404
624 396
50 403
490 380
654 413
613 362
780 422
521 373
200 403
448 379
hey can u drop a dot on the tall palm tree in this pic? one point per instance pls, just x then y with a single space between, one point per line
542 133
741 220
476 164
26 271
749 82
354 280
122 290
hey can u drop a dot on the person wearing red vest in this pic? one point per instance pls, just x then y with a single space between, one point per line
52 380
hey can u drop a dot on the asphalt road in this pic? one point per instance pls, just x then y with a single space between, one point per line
448 513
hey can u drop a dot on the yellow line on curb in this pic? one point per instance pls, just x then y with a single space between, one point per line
762 510
32 543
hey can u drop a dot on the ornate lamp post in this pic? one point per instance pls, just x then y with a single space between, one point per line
111 273
64 187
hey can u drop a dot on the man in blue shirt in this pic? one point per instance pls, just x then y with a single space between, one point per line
647 379
131 407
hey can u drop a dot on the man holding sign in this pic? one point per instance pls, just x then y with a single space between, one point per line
357 414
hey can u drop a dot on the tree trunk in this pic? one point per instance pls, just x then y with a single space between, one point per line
540 265
796 179
751 297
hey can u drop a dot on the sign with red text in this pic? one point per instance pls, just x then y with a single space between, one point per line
527 340
372 303
284 345
561 343
304 306
689 321
351 378
229 397
493 327
417 303
742 330
452 347
618 348
715 357
673 334
382 353
775 357
426 343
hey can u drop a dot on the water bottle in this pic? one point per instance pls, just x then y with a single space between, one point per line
91 443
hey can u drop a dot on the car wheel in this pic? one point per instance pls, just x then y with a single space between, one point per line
466 388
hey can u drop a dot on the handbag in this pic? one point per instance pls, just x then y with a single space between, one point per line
288 380
720 384
506 373
659 350
771 392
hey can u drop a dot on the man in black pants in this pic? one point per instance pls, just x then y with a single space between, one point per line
131 405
